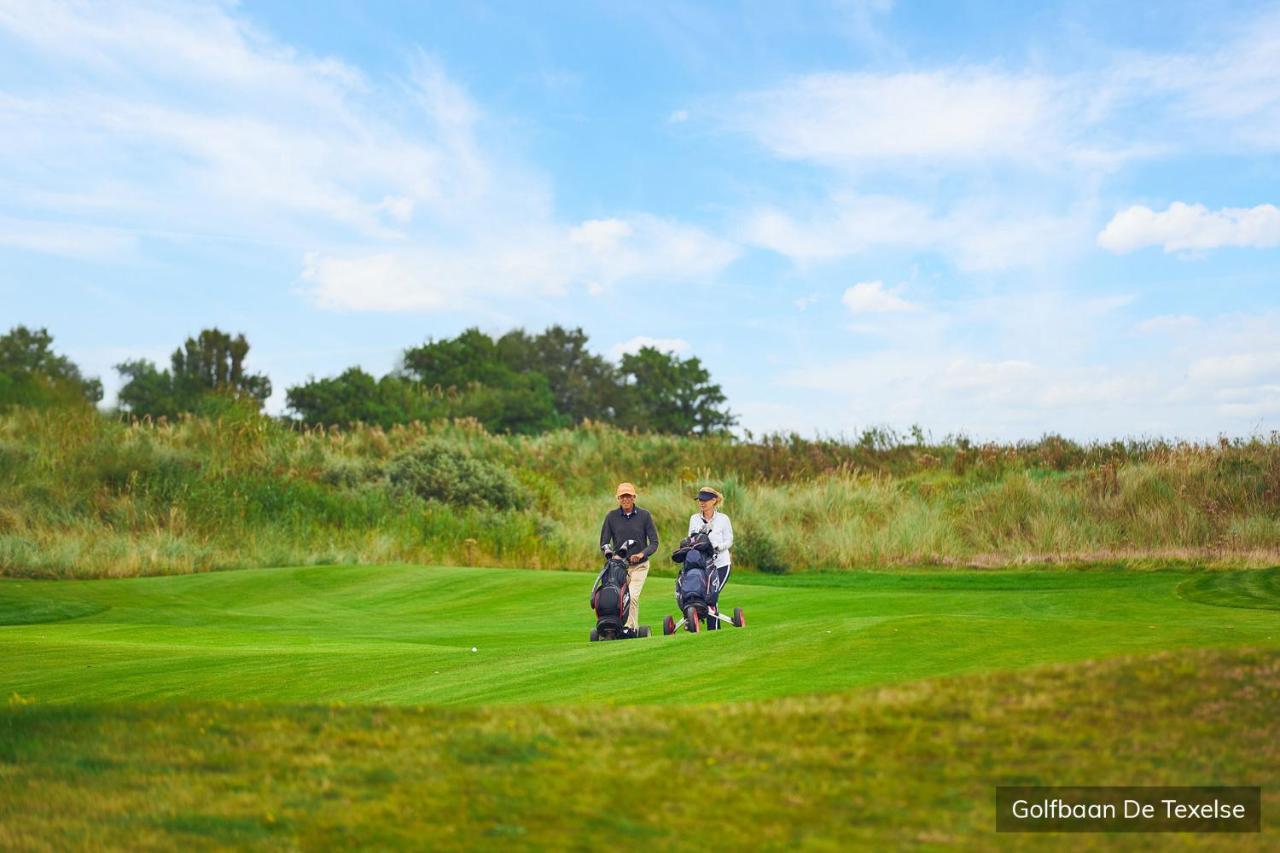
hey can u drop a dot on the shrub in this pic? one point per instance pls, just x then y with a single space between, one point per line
758 551
344 472
435 470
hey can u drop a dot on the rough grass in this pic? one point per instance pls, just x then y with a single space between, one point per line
83 495
901 767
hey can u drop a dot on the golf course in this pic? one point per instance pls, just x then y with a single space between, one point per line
227 631
404 634
450 707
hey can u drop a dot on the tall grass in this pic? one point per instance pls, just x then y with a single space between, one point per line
84 494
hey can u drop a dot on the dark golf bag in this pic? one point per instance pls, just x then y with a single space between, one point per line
611 597
694 587
698 588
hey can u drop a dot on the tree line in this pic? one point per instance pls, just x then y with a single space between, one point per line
516 383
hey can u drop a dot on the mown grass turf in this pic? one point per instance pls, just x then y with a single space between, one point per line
403 635
891 768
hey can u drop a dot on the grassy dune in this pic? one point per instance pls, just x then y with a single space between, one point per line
901 767
404 635
83 495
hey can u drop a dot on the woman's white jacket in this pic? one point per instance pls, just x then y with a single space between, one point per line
720 534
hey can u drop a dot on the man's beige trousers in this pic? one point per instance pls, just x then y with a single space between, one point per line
635 581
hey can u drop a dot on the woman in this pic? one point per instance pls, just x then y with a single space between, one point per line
710 520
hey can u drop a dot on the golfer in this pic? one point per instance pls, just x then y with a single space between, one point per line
710 520
629 521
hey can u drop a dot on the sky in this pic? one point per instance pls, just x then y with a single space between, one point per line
994 219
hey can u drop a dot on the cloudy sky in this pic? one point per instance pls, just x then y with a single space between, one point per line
1000 219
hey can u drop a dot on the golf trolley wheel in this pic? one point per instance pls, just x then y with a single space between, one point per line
595 635
644 631
668 626
692 615
739 618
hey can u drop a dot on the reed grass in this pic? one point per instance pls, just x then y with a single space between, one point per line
83 494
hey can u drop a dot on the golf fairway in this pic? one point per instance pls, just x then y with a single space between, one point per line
404 634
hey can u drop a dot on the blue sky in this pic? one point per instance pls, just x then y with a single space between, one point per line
1001 219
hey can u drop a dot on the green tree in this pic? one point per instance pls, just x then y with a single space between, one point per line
664 393
31 373
357 397
470 358
504 397
522 383
524 407
146 390
583 384
209 365
214 361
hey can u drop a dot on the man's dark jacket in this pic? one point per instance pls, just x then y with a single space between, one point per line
618 528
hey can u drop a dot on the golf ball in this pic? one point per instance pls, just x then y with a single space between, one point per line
474 649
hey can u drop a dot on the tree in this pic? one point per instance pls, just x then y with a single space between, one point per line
146 390
31 373
209 365
663 393
504 396
356 397
470 358
583 385
524 407
522 383
214 361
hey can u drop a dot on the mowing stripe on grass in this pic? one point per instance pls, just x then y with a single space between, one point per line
1254 590
404 634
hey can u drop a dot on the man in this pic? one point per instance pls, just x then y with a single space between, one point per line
629 521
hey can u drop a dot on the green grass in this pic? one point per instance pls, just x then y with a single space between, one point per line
403 634
86 495
322 707
907 767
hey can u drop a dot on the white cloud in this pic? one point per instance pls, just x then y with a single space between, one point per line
805 301
967 373
847 225
1225 378
1236 369
600 235
953 390
1000 169
648 248
977 234
923 384
957 116
677 346
1168 323
188 124
1226 97
870 297
194 124
845 119
540 260
1192 227
427 279
66 238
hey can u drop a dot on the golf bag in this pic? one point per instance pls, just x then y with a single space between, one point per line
611 596
698 588
698 584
